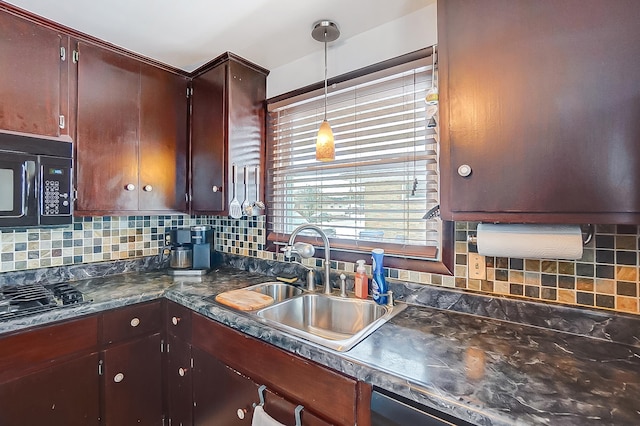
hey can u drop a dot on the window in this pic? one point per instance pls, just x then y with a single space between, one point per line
385 175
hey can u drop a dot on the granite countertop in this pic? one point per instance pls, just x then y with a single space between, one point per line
483 370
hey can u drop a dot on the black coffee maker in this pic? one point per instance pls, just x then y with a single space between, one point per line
191 250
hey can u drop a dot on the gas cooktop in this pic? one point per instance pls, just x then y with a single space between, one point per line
28 299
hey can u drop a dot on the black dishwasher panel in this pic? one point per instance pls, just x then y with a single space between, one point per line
388 409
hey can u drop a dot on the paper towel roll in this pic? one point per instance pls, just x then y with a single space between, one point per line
530 241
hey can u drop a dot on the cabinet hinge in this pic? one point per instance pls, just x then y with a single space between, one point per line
189 92
63 54
192 363
61 121
75 194
76 56
100 372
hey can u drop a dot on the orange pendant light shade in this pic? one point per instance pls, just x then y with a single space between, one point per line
325 148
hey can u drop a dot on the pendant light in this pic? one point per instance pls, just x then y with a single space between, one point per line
325 31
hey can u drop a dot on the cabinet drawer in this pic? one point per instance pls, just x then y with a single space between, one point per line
31 350
178 320
132 321
322 390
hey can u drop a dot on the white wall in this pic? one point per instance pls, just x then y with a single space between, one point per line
407 34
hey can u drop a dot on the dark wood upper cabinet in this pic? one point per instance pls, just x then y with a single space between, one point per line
33 87
163 140
107 140
227 127
131 138
541 100
208 164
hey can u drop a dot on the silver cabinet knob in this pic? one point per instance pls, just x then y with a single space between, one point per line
241 413
147 188
216 188
135 322
464 170
182 371
118 377
130 187
175 320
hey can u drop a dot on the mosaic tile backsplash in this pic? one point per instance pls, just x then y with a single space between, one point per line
88 239
606 277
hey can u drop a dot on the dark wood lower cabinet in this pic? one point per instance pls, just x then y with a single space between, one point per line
327 396
208 374
219 392
179 376
225 396
63 395
132 383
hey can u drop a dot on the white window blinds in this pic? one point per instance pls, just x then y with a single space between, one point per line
385 175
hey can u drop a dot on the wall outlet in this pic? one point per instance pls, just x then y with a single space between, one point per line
477 266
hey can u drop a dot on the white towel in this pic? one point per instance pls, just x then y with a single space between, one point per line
261 418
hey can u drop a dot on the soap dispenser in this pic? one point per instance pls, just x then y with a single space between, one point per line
378 283
361 286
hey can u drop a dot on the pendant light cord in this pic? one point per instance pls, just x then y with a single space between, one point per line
325 75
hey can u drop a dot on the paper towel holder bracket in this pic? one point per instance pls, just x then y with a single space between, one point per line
587 235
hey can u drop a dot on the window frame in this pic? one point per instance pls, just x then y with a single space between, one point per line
342 249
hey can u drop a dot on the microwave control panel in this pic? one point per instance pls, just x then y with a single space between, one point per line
56 189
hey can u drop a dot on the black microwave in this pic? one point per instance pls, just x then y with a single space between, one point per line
35 181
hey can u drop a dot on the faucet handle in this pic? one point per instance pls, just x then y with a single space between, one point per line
287 250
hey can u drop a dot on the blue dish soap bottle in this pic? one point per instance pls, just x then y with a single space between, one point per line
379 287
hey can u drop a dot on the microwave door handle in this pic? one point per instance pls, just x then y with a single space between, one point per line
25 190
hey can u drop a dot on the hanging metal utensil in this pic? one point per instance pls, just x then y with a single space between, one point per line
258 205
247 207
235 209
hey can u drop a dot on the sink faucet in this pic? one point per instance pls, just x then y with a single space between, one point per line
325 240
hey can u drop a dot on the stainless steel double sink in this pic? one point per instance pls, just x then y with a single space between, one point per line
335 322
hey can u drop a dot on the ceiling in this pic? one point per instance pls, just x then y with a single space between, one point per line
187 34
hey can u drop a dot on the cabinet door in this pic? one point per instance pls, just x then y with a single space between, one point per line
245 145
132 383
537 99
31 69
163 140
66 394
208 154
179 378
219 392
332 395
107 135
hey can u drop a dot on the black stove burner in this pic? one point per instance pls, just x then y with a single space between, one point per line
65 294
28 299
